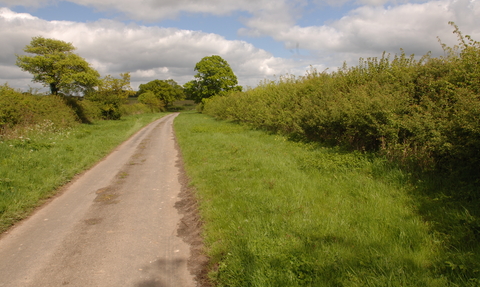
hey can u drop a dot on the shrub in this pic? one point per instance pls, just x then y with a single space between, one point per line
11 108
150 100
90 110
17 109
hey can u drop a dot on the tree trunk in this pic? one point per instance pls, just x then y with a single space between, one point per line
53 89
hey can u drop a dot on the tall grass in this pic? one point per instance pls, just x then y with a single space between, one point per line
283 213
43 157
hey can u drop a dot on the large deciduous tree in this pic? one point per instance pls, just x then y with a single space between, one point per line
56 66
165 90
214 77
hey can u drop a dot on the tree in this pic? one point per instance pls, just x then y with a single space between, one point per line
111 94
214 77
165 90
57 67
192 90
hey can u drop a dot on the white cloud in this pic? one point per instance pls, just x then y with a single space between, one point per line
26 3
148 53
370 30
365 2
154 10
278 17
266 15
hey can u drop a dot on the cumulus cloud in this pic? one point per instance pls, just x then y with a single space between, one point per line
149 53
265 15
154 10
365 2
27 3
278 17
370 30
373 29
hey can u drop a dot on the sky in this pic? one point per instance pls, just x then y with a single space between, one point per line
260 39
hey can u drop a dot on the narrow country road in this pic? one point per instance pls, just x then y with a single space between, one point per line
116 225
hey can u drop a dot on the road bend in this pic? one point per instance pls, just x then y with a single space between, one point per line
116 225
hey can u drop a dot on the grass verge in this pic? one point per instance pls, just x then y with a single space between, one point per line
282 213
34 165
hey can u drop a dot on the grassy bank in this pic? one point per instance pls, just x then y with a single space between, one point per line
282 213
33 165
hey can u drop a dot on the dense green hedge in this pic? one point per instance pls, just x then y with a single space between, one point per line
24 110
17 109
425 111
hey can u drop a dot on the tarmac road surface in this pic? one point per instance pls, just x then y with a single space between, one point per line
115 225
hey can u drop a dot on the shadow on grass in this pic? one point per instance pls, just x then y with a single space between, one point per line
294 265
450 203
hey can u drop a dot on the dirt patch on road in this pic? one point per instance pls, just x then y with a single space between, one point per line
190 227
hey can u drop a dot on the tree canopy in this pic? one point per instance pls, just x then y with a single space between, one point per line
214 77
56 66
165 90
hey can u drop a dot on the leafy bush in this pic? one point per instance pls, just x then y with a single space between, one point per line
149 99
10 107
90 110
111 94
17 109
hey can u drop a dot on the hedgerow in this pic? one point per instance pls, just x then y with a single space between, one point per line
23 109
424 112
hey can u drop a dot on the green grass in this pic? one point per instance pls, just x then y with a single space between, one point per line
282 213
34 165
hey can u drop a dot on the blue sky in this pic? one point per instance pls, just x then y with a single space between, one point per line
261 39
